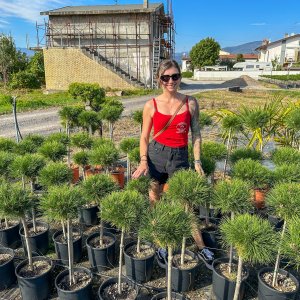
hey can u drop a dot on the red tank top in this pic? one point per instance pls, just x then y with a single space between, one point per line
176 135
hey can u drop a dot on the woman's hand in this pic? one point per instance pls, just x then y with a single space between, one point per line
141 170
199 169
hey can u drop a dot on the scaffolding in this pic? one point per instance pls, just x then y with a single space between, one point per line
114 44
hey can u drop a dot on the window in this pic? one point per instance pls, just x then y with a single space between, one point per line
250 67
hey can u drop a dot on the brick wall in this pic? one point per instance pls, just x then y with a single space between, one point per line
64 66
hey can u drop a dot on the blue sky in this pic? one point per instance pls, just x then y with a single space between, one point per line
230 23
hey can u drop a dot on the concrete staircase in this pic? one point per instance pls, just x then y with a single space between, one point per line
96 56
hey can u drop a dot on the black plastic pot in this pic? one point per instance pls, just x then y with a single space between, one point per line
80 294
88 215
101 259
275 222
61 249
163 295
110 228
266 292
37 287
211 236
40 241
10 237
111 281
184 280
222 287
139 270
7 270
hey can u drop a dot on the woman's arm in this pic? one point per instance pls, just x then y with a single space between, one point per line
144 140
196 134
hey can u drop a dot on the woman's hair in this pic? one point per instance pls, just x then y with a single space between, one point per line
165 65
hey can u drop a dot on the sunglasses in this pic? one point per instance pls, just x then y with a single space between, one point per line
166 78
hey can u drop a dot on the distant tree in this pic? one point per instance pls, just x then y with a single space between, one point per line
36 66
227 62
240 57
8 54
205 53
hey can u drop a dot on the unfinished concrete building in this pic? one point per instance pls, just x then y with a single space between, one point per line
117 46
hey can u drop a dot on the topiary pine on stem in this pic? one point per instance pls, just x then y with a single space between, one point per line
190 190
241 232
141 184
232 197
124 210
6 159
53 150
284 201
61 204
15 202
95 188
165 225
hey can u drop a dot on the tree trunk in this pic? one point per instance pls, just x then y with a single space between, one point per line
275 274
228 147
70 252
68 147
238 279
169 283
183 246
111 130
6 223
101 234
121 261
63 226
138 245
128 168
33 210
90 131
28 245
230 251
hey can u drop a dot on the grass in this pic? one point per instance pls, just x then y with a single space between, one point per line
35 99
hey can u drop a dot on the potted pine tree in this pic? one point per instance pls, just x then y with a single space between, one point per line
34 273
244 153
285 155
61 204
30 144
231 198
126 145
7 268
137 117
9 229
53 150
257 175
121 209
190 190
284 202
101 244
165 225
27 167
241 232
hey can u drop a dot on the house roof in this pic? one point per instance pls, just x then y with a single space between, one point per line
102 9
265 46
233 56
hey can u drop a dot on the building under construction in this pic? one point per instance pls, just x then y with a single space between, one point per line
117 46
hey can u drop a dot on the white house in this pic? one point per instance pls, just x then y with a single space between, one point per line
285 50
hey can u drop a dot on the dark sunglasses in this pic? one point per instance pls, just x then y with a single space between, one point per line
166 78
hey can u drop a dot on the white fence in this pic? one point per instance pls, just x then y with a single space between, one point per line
227 75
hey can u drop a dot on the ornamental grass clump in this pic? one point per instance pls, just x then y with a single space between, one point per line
127 145
165 225
95 188
190 190
284 202
254 240
124 210
232 198
285 155
55 174
61 204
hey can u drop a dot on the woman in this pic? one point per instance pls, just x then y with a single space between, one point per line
168 151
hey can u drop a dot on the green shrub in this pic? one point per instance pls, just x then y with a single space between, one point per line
24 80
30 144
53 150
6 159
59 137
82 140
214 150
287 173
8 145
244 153
204 119
286 155
142 185
187 74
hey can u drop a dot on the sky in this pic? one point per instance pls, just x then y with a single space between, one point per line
230 23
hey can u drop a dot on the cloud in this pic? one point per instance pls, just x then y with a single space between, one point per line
258 24
29 10
297 23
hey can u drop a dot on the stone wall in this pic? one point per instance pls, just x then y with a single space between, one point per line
66 65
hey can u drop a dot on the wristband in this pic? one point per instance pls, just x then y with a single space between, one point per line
198 161
143 156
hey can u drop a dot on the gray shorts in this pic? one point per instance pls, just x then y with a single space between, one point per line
163 161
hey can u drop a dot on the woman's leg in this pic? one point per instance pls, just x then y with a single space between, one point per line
155 192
